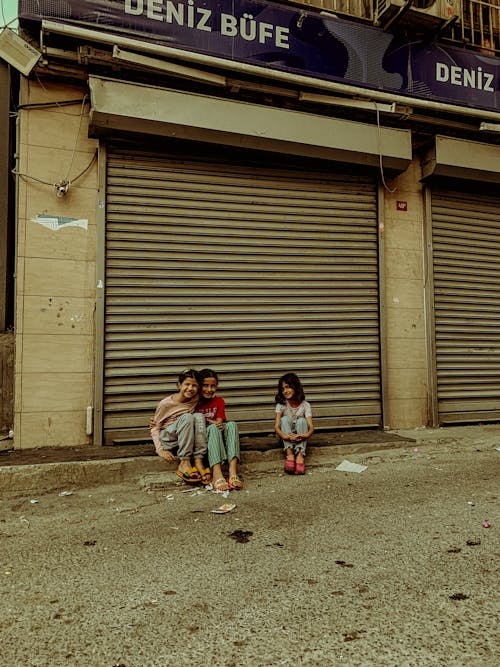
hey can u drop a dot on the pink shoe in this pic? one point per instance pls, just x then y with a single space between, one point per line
300 468
289 467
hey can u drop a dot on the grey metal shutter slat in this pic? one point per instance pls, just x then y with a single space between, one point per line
466 251
251 271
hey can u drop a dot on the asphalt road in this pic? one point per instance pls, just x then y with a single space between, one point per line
391 566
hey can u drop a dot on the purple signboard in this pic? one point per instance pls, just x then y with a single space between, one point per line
287 39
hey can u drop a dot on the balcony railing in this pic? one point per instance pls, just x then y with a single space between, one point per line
480 25
359 9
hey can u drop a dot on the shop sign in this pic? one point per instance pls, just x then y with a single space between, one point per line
288 39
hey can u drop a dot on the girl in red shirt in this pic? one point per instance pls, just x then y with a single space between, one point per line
222 435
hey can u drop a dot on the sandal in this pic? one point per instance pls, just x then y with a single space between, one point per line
300 468
289 467
190 476
220 485
234 482
206 476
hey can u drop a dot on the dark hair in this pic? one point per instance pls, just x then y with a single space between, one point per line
188 373
293 381
207 373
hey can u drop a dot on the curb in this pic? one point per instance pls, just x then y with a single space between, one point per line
19 480
46 477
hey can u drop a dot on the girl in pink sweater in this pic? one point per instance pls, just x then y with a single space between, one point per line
175 427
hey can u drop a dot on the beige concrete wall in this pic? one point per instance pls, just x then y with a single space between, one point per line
406 378
55 271
56 280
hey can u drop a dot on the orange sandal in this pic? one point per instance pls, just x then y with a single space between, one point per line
191 476
206 476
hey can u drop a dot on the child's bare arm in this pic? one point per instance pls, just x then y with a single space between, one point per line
155 434
217 422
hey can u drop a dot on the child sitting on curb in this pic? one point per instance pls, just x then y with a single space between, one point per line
176 427
223 437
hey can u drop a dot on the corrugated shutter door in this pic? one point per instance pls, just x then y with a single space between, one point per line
251 271
466 251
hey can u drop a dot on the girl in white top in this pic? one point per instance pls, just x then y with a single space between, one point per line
293 422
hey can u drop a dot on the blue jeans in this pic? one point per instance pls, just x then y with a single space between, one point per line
288 427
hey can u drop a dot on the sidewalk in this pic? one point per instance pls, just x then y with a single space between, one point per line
44 470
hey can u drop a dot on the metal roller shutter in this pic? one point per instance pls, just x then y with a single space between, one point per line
466 252
251 271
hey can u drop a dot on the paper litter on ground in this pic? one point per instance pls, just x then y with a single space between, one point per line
227 507
349 466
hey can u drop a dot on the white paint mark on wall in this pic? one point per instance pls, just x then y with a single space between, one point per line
57 222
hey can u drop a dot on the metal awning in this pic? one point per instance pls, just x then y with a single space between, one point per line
122 106
459 158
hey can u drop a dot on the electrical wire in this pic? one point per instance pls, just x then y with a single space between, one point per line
380 159
94 158
73 180
6 25
76 138
63 185
47 105
4 22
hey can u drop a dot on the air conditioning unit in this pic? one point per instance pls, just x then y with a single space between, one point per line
17 52
420 15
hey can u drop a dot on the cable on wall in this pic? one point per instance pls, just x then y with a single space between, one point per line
76 138
380 159
62 186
